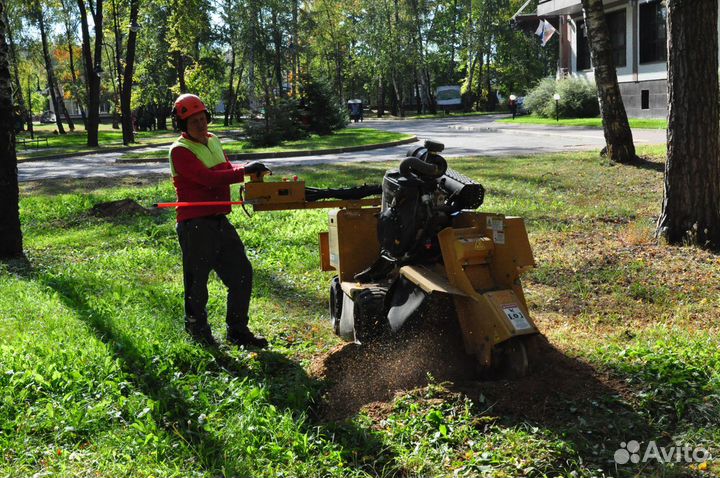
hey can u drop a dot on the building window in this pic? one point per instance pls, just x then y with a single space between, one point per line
653 37
645 99
618 38
616 25
583 47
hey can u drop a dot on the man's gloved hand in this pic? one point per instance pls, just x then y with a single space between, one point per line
256 167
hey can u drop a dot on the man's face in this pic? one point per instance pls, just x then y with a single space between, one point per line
197 125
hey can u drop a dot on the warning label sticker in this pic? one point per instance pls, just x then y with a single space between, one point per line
516 316
499 237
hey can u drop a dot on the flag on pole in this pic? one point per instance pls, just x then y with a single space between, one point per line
545 31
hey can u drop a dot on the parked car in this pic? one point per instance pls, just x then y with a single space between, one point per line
521 109
47 117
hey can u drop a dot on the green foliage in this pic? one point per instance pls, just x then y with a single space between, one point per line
679 375
321 108
578 98
540 97
205 78
281 123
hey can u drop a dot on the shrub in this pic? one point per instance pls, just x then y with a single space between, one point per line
578 98
540 97
322 109
281 123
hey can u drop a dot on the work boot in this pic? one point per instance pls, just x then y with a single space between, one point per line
200 333
246 339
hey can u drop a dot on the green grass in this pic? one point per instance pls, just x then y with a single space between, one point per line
98 378
339 139
586 122
76 141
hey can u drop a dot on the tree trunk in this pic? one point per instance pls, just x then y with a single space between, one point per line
92 67
128 129
418 101
252 99
231 84
618 137
74 78
49 69
295 50
381 97
71 55
277 43
690 208
10 234
451 69
180 68
63 108
234 110
18 94
491 102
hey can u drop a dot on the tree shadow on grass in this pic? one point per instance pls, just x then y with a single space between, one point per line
53 187
293 297
570 398
563 395
644 163
290 388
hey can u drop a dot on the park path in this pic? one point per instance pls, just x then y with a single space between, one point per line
464 136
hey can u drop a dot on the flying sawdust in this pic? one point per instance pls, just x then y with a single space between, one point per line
369 376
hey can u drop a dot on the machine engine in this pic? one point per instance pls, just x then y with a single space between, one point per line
418 200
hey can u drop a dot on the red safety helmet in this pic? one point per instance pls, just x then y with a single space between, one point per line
187 105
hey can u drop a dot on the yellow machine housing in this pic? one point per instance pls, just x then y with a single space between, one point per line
483 257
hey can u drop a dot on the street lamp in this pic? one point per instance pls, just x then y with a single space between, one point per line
513 105
556 96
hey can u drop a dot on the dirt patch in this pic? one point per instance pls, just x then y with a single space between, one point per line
360 375
370 377
558 386
121 207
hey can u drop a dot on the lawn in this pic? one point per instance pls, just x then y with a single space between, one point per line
345 138
98 379
76 141
586 122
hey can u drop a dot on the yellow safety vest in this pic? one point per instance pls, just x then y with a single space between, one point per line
210 155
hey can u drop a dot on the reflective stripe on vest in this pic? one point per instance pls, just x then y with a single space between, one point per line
210 155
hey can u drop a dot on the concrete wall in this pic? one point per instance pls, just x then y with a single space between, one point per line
632 98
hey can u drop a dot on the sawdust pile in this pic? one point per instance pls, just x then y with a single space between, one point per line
358 375
369 376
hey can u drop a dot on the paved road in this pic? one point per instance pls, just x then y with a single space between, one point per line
479 135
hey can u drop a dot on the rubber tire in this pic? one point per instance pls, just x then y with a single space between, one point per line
369 315
336 304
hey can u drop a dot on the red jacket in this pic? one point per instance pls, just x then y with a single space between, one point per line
195 182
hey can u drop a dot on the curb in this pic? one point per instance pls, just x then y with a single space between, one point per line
288 154
87 153
449 117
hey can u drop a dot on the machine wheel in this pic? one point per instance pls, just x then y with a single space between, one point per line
336 303
370 318
510 358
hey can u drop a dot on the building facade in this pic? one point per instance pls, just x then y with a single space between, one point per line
639 39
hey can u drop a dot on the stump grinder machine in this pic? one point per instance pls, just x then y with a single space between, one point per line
423 237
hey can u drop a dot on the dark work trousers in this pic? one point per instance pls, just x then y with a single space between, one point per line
212 243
